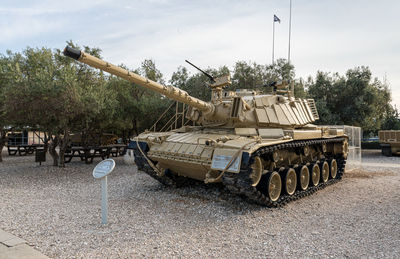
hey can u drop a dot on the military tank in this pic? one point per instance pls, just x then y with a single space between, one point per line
263 147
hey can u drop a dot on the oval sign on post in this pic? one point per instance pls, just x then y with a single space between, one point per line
101 171
103 168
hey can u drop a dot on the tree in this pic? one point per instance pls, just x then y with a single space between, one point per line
248 75
322 91
280 70
134 104
4 79
391 120
42 89
354 99
125 108
197 84
42 94
180 77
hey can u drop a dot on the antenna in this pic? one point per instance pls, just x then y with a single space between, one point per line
290 29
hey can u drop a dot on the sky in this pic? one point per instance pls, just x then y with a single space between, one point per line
327 35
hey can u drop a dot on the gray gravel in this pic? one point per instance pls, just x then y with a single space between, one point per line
57 210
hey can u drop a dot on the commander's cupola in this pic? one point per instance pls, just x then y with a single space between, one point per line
217 86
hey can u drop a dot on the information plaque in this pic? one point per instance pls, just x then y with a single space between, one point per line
103 168
101 171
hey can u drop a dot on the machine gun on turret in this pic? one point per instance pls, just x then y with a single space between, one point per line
212 79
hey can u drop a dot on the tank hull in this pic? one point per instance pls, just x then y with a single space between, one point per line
213 155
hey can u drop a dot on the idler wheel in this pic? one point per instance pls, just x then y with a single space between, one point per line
324 171
289 181
303 174
333 168
257 169
345 149
274 186
315 174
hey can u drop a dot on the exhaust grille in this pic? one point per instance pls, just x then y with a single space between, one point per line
236 107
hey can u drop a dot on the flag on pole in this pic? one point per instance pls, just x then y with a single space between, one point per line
276 19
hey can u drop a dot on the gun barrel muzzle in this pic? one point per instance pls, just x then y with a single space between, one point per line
72 53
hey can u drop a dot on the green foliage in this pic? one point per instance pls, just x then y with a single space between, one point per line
40 92
5 77
248 75
43 89
4 80
148 105
391 120
280 70
354 99
196 85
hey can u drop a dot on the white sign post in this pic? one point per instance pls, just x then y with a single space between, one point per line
101 171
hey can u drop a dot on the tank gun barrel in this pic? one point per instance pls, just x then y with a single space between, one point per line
169 91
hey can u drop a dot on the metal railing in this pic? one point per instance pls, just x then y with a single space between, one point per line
176 121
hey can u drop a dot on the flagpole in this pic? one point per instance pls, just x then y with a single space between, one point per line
290 29
273 38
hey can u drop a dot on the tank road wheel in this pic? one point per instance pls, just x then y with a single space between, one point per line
315 174
324 172
289 181
333 168
274 186
303 174
257 169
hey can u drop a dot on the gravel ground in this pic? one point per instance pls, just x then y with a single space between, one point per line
57 210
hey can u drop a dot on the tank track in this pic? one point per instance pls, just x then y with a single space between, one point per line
241 183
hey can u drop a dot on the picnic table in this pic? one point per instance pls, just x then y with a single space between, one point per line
88 153
23 150
118 150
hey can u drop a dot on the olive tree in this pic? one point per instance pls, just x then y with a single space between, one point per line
42 94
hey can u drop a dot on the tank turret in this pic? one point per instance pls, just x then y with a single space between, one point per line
228 109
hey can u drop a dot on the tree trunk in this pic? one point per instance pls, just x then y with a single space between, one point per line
135 127
63 146
85 138
46 141
3 140
52 149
